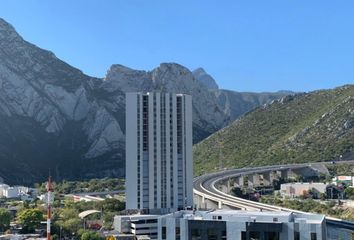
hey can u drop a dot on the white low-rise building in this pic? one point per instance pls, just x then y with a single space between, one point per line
11 192
142 226
2 188
85 198
22 192
349 180
238 225
299 189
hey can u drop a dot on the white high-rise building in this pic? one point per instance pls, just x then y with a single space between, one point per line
159 164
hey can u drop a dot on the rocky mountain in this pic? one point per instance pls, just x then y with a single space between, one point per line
317 126
235 104
203 77
170 77
52 116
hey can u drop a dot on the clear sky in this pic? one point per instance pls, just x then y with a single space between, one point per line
246 45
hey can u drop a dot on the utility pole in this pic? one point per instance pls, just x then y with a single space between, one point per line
49 206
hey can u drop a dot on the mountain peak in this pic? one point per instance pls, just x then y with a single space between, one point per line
7 31
202 76
35 65
118 72
119 67
172 66
199 71
5 25
173 76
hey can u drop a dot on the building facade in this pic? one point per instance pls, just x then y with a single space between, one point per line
303 189
137 225
241 225
347 180
159 164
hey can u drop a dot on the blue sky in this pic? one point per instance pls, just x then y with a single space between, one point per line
248 45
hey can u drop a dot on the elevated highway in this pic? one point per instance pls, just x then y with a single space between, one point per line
210 190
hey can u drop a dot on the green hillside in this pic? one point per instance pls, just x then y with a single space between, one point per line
317 126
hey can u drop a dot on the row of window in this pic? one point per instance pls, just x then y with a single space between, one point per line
145 126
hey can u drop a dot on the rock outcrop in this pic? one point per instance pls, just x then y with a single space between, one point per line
53 116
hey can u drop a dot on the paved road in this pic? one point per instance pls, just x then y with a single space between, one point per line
205 185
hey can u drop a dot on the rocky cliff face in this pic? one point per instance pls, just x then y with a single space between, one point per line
171 77
235 104
42 102
202 76
52 116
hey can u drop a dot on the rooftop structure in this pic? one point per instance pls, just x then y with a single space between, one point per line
237 225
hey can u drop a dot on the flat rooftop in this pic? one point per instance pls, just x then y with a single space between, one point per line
247 216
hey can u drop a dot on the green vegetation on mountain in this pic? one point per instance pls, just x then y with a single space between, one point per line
328 208
317 126
346 169
93 185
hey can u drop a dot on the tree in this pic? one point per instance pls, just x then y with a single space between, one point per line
5 218
71 225
68 221
30 219
349 192
89 235
112 205
237 191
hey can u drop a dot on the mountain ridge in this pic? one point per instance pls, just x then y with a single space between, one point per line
54 116
307 127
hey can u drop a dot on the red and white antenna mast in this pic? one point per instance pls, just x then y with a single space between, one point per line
49 206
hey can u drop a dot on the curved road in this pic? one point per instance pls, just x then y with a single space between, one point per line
205 186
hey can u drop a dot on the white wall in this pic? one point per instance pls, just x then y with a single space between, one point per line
131 151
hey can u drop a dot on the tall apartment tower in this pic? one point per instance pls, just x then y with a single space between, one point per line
159 163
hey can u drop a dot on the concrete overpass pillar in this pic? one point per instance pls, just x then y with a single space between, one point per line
291 174
267 179
224 188
239 181
273 175
278 174
250 181
228 186
256 180
232 183
284 173
253 180
210 204
202 204
199 201
287 173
